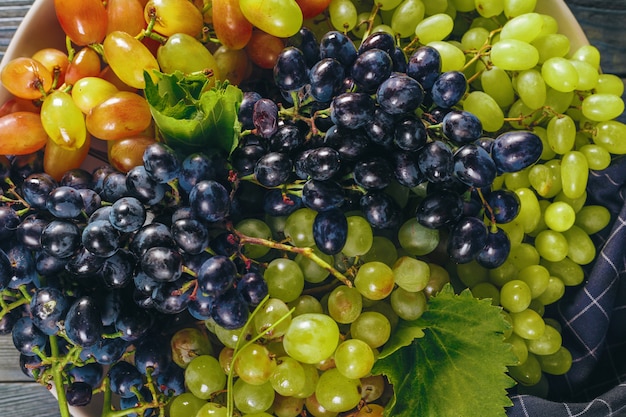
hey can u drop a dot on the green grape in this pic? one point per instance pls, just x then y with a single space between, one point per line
610 135
432 7
514 8
551 45
559 216
544 180
610 84
187 343
548 344
254 364
515 296
484 22
561 132
284 407
305 304
411 274
277 225
497 84
204 376
523 27
406 16
525 114
288 378
299 227
388 4
558 101
593 218
589 54
314 408
250 398
530 211
474 38
550 25
452 57
485 107
587 75
523 255
63 120
255 228
536 277
557 363
602 107
581 248
486 290
384 308
528 373
359 238
489 8
311 338
383 28
416 239
230 337
434 28
514 230
574 174
354 358
336 392
439 277
185 405
225 358
345 304
551 245
311 376
408 305
514 55
374 280
371 327
471 273
463 5
519 348
576 203
273 310
284 278
553 292
183 52
598 158
560 74
541 226
528 324
515 180
312 271
531 88
343 15
212 409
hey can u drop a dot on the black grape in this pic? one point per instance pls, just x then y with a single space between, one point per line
230 310
322 195
380 210
461 126
273 169
142 186
400 94
515 150
127 214
373 173
101 238
322 163
216 275
124 378
330 231
326 79
83 323
48 307
162 264
36 188
161 162
495 251
352 110
210 201
78 394
265 117
190 235
9 222
370 69
60 238
440 208
378 40
449 88
290 69
466 239
26 337
473 166
246 109
505 205
410 134
424 65
436 161
336 45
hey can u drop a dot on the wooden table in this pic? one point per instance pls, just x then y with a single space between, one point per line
19 396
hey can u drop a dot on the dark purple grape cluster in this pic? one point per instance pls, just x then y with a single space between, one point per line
356 122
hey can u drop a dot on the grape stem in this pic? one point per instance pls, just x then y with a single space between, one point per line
306 252
57 378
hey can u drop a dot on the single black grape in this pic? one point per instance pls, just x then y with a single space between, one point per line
466 239
322 195
101 238
162 264
505 205
161 162
124 378
9 222
335 44
440 208
265 117
230 310
78 394
290 69
26 337
83 323
60 238
436 161
373 173
117 270
352 110
495 251
400 94
461 126
380 210
330 231
424 65
273 169
216 275
65 202
127 214
322 163
410 134
141 185
190 235
449 88
210 201
515 150
276 203
36 188
326 79
473 166
370 69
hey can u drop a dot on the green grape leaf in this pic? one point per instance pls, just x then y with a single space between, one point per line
457 368
192 117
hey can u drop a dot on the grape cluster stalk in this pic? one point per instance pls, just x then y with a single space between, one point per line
382 152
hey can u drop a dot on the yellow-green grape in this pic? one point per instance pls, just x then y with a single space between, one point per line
523 254
489 8
462 5
514 55
299 227
524 27
212 409
182 52
267 316
537 306
435 6
372 327
531 88
514 230
536 277
497 84
610 84
88 92
337 393
359 238
311 376
529 209
550 46
411 274
452 57
557 363
311 338
611 135
551 245
63 120
484 290
374 280
503 273
250 398
383 28
547 153
581 248
521 111
515 180
195 376
519 348
560 74
574 174
543 180
255 228
598 158
474 38
541 226
528 373
388 4
550 25
284 278
312 271
408 305
569 272
593 218
354 358
514 8
434 28
118 47
485 107
305 304
559 216
589 54
406 17
345 304
515 296
554 291
471 273
288 377
254 364
384 250
576 203
602 107
587 75
416 239
185 404
558 101
548 344
343 15
528 324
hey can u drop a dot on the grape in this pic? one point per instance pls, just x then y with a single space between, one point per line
311 338
204 376
353 110
448 88
284 279
326 79
83 322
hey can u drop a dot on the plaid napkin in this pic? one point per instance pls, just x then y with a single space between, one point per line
593 317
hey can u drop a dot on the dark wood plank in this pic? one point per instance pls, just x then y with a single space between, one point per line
26 400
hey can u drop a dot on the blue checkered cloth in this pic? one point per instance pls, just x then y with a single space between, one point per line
593 317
